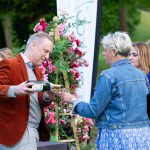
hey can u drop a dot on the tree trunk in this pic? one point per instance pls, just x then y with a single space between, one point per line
123 19
2 39
7 31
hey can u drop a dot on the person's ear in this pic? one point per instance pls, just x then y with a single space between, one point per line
33 44
115 52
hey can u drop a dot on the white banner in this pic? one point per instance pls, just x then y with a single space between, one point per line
83 10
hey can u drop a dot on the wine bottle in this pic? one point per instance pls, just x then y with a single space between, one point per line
41 86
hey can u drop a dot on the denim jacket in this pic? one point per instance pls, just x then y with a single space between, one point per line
119 99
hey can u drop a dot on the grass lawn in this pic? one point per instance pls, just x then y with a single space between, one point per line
142 32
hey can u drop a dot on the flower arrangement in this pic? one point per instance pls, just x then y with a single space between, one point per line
67 55
63 68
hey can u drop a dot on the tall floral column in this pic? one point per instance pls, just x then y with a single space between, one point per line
67 85
63 68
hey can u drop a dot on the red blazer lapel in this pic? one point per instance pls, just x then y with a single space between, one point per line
23 67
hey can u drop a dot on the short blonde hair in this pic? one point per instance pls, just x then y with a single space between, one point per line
118 41
143 51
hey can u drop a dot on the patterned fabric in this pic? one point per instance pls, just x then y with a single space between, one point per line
124 139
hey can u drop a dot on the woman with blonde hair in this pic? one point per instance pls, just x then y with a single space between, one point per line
5 53
140 57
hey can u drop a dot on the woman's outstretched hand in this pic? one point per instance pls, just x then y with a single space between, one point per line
67 97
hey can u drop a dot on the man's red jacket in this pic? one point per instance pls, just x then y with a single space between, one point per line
14 112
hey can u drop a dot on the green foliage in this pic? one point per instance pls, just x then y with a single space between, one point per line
53 138
111 12
110 17
27 14
144 4
133 22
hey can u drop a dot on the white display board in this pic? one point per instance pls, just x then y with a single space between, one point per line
83 10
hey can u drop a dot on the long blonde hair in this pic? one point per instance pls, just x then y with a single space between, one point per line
144 55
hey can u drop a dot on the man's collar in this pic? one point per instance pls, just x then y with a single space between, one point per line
27 61
25 58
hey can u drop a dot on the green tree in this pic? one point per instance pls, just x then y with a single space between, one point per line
121 15
23 14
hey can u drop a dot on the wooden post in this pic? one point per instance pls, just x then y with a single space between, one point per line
75 133
56 32
57 124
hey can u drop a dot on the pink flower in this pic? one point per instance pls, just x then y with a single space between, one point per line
79 130
75 73
45 63
73 115
77 42
75 64
42 20
45 77
85 137
43 69
37 28
45 110
83 62
51 118
43 23
86 64
78 51
71 37
47 67
51 67
73 86
49 107
89 121
52 105
41 26
62 121
70 49
61 28
86 128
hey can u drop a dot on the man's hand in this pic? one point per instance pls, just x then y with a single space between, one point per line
24 88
